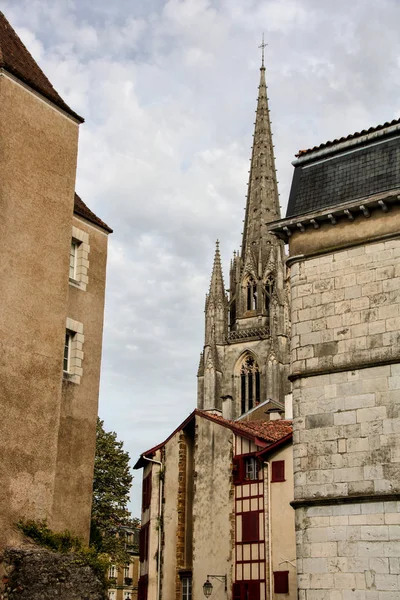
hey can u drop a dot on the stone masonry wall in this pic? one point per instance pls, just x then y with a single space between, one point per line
347 428
349 551
345 308
346 403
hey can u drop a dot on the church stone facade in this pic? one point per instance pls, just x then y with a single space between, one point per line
246 351
343 227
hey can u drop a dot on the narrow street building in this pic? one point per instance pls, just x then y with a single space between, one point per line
216 510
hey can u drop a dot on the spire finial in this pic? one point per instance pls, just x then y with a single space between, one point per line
263 44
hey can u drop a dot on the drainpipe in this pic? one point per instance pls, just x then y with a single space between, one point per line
269 527
160 492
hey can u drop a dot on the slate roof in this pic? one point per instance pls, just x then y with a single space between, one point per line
82 210
268 432
345 176
351 136
17 60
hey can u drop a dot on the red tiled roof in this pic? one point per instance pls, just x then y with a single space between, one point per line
16 59
82 210
348 137
269 432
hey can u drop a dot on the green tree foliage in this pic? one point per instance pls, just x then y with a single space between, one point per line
111 486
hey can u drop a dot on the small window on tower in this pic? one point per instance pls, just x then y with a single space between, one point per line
251 294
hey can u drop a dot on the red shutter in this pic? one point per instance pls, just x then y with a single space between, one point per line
250 527
281 582
238 469
237 591
277 471
253 592
146 492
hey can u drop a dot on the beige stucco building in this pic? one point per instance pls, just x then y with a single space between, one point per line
52 279
343 229
217 503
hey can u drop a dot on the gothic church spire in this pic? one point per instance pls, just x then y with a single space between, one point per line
216 303
262 198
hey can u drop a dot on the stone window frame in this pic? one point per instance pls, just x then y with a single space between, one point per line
80 239
74 332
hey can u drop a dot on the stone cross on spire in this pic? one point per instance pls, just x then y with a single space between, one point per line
262 198
263 45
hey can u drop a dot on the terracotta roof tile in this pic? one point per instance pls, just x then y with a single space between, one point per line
268 431
16 59
348 137
82 210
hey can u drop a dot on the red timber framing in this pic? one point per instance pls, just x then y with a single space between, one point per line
250 559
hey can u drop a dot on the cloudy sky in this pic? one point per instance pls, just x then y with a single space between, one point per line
168 90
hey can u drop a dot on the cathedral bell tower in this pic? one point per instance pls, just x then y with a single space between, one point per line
246 353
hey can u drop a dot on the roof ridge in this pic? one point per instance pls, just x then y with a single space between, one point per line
350 136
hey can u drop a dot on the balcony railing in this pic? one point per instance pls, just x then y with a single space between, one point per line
249 333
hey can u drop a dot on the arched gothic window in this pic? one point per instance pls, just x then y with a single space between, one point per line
251 294
268 291
249 384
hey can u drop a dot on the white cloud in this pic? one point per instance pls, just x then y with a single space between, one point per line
168 90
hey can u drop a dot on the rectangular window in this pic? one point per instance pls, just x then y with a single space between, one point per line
126 571
186 588
277 471
281 582
111 595
245 468
250 526
251 468
112 572
73 254
67 352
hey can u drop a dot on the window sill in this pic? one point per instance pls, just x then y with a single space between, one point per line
71 377
77 284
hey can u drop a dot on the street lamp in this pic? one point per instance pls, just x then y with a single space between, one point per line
208 586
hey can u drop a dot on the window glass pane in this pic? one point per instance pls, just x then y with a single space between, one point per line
72 260
186 588
67 352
